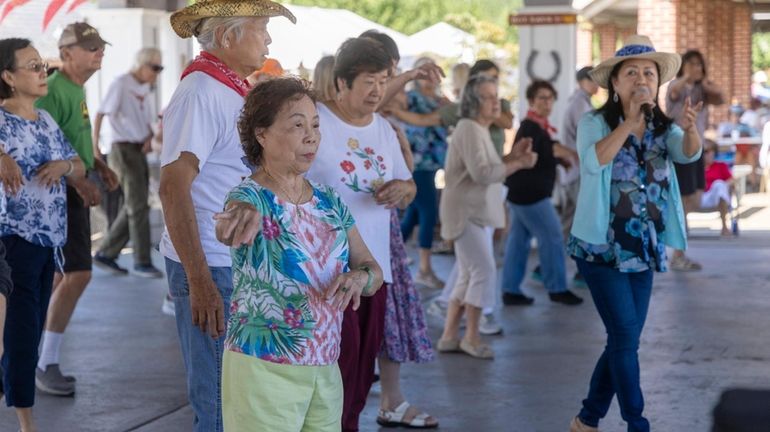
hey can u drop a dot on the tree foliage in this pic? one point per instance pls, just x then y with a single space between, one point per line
760 51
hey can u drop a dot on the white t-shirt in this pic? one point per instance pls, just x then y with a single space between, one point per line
129 108
201 118
355 161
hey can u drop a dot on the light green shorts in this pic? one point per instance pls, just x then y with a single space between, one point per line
260 396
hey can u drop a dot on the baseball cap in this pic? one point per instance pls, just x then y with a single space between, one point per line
80 33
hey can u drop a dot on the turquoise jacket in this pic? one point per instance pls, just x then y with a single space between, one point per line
592 216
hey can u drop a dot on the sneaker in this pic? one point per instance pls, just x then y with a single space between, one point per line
567 298
109 265
683 264
488 325
168 307
537 276
437 309
52 381
517 300
578 281
443 248
429 279
148 271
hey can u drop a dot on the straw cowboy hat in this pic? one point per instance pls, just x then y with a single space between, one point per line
185 21
638 47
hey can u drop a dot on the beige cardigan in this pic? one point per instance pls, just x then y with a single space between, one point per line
474 174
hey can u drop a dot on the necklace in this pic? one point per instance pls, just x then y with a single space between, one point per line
283 191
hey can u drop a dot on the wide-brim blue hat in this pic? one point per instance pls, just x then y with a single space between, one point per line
638 47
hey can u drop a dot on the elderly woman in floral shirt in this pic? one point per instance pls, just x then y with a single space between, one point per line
298 262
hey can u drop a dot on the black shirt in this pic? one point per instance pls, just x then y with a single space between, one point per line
529 186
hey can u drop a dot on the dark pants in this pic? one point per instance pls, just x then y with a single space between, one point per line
622 300
133 221
362 333
32 269
423 210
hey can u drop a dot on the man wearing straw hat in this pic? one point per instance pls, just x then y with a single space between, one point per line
202 160
628 210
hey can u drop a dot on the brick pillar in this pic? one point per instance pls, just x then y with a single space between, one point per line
741 50
658 20
625 32
608 38
585 45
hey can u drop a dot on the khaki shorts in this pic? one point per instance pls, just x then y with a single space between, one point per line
259 396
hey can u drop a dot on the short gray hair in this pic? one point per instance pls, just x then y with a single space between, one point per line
207 28
470 100
145 56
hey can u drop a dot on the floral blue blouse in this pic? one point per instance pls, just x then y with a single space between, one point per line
639 197
36 213
429 145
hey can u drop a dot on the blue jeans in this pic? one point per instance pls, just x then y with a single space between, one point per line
201 353
423 210
541 221
622 300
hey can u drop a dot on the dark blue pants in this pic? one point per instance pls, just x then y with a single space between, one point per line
622 300
32 269
423 210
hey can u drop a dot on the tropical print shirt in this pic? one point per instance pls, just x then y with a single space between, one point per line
278 309
37 213
639 197
429 145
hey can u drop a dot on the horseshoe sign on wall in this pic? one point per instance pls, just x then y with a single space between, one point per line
531 63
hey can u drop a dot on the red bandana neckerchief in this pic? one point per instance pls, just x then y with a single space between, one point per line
214 67
543 122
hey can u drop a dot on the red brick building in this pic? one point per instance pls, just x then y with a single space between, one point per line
720 29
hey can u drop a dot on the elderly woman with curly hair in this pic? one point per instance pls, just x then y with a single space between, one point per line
297 265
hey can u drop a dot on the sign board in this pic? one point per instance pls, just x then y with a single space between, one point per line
541 19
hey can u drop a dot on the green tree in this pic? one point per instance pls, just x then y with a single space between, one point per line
760 51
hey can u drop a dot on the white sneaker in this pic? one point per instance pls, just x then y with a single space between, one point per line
437 310
489 326
168 307
429 279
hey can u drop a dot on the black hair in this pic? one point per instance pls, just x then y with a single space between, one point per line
387 42
689 55
612 111
536 85
482 65
8 48
357 56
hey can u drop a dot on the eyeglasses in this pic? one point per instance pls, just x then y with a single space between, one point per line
155 67
36 67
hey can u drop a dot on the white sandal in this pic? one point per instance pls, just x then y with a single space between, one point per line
395 418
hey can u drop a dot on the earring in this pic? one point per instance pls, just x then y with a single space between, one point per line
226 45
615 98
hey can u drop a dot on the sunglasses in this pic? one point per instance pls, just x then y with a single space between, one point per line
155 67
90 48
36 67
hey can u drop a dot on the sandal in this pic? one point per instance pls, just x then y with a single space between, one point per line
480 351
684 264
448 345
395 418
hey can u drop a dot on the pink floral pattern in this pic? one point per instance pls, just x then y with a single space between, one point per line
372 163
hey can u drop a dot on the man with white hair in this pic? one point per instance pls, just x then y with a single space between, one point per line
129 108
202 160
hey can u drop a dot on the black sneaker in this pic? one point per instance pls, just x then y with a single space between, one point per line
517 300
566 297
109 265
148 271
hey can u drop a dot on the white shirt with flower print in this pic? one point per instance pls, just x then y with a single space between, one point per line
355 161
278 309
37 213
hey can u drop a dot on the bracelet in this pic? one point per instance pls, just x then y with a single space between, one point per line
370 276
71 168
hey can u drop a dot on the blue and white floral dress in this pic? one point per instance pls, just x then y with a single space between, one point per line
639 198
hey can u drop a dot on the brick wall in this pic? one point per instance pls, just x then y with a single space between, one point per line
608 38
741 52
584 45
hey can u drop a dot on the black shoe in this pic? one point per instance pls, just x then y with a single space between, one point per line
517 300
566 297
109 264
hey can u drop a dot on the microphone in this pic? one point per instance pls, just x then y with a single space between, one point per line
646 107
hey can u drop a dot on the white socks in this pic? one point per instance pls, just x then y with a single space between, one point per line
50 353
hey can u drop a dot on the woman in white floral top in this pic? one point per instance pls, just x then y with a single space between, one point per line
298 262
35 159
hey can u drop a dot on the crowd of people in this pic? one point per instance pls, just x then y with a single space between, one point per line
287 207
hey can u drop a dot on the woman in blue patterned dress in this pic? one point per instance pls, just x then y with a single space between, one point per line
628 211
35 159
